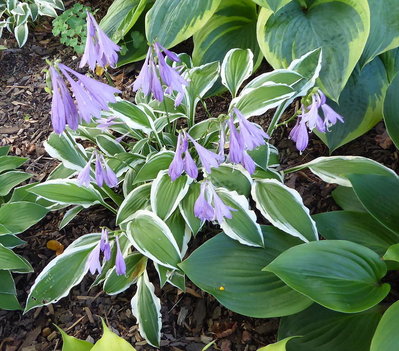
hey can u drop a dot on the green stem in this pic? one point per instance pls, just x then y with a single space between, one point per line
288 120
167 114
277 115
109 78
109 207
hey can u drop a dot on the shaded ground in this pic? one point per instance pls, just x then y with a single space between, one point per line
190 319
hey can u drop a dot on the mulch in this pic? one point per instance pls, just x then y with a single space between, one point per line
191 319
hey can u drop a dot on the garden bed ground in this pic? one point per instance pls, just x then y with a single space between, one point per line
191 319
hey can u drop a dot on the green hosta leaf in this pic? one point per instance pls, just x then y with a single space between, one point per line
9 302
146 307
55 282
294 31
170 22
4 150
181 232
69 216
347 199
360 103
167 194
28 214
110 341
70 343
232 26
338 274
392 253
380 196
186 207
154 164
337 169
391 108
135 266
273 5
13 262
10 179
237 66
135 43
201 78
204 128
325 330
278 346
152 237
108 145
386 336
61 172
242 226
11 162
358 227
65 150
232 177
138 199
121 16
384 29
21 33
11 241
256 101
135 116
390 60
68 192
283 207
7 285
236 275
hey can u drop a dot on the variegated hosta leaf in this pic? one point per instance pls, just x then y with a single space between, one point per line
120 17
153 238
278 346
10 261
384 29
201 79
110 341
273 5
108 145
242 226
232 177
336 169
284 208
232 26
237 66
360 103
68 152
153 165
170 22
294 31
138 199
391 109
186 207
146 307
256 101
135 266
167 194
55 281
68 192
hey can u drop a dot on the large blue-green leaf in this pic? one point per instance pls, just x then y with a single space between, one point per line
273 5
386 337
338 274
325 330
232 273
339 27
360 103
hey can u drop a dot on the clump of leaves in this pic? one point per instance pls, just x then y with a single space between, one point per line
71 27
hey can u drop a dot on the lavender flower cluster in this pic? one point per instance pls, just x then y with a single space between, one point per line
94 264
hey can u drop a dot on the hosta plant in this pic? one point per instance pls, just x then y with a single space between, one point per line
163 174
18 212
353 75
15 15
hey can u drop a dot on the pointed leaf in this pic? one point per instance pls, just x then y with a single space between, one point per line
391 108
337 274
283 207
